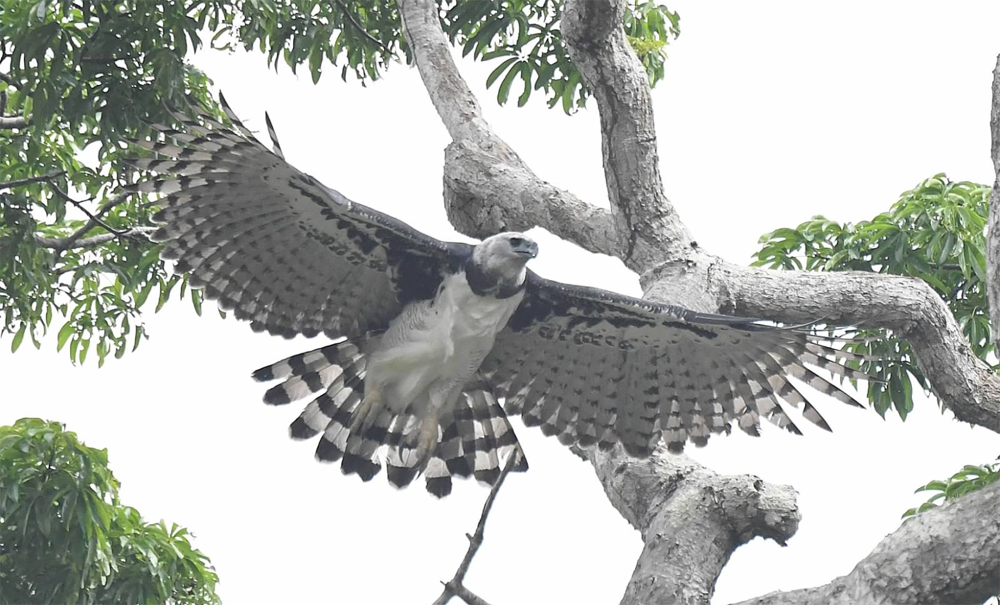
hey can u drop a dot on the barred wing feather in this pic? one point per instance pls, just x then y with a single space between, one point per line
274 244
593 367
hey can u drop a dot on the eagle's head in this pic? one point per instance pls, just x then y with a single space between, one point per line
502 257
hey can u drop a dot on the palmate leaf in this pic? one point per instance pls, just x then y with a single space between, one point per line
934 232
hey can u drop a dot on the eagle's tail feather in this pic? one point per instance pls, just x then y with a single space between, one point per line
472 440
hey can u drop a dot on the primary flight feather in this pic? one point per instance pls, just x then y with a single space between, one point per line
429 336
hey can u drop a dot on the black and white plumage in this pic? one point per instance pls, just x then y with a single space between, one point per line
429 335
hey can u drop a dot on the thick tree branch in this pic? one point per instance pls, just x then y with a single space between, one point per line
993 231
488 188
908 306
645 219
691 520
949 554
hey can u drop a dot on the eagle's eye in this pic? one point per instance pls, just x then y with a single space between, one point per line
516 241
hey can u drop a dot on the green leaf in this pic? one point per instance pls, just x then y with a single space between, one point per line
18 337
64 334
504 89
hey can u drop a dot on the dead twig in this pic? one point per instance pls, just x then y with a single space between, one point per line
455 587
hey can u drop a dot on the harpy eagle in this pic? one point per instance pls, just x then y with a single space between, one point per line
429 335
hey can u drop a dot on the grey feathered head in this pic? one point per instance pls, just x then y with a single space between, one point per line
502 257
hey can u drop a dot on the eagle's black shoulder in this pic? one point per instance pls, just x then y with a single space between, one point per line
418 277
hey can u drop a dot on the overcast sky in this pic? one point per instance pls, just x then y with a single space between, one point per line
768 114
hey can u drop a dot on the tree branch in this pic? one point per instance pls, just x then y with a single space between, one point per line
949 554
454 587
644 217
72 242
691 520
11 122
487 187
93 219
76 239
32 179
359 29
993 232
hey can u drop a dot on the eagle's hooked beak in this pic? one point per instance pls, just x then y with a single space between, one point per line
526 247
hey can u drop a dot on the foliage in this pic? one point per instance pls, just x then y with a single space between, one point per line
935 232
969 479
66 538
365 35
87 76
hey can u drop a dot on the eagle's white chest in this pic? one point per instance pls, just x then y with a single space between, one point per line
435 347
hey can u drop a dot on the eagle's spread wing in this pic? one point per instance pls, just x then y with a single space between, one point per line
295 257
593 367
277 246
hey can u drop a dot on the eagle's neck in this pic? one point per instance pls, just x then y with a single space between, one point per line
497 279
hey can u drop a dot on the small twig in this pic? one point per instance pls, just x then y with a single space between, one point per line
72 241
454 587
32 179
94 219
8 80
361 30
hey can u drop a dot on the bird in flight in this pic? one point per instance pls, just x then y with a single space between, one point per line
428 337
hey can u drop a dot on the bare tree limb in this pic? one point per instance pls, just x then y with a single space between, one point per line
488 188
11 122
950 554
455 587
691 517
644 217
993 231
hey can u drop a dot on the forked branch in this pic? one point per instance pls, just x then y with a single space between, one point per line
455 586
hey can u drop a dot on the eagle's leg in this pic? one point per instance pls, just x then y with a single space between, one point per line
424 441
367 411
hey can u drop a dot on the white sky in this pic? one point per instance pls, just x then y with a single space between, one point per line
770 113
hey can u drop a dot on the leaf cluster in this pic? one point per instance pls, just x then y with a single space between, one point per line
934 232
85 76
969 479
363 37
66 538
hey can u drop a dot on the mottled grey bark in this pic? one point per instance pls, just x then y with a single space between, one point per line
935 557
691 518
993 228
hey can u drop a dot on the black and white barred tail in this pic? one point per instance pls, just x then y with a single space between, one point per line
472 439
